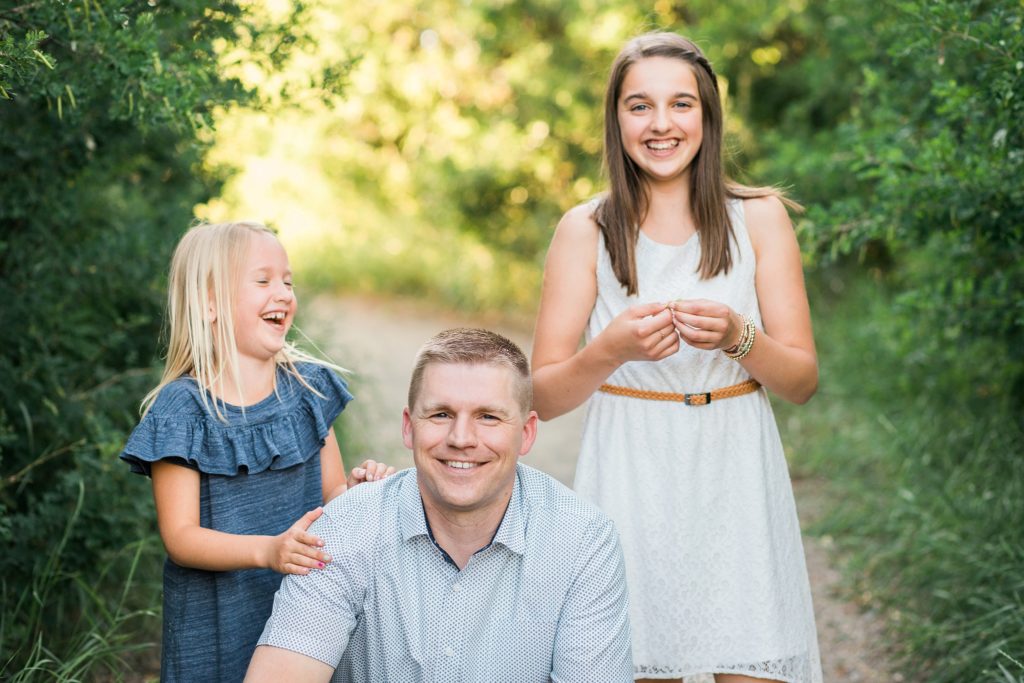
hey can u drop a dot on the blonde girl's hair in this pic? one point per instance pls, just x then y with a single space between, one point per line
624 208
206 271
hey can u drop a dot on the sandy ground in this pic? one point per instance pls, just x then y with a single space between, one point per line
378 340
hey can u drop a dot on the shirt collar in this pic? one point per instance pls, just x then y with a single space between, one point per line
511 532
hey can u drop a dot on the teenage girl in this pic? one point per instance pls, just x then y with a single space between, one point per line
237 438
689 292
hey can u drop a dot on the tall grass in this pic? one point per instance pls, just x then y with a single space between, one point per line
926 469
70 627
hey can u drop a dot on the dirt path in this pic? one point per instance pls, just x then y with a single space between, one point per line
378 340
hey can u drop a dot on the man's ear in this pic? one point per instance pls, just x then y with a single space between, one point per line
407 429
529 433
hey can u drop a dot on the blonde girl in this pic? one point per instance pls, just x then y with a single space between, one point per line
238 441
689 293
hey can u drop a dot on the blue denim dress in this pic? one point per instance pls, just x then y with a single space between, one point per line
259 473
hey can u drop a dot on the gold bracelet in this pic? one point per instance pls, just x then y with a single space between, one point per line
746 340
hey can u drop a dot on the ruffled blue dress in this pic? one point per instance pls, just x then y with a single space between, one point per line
259 472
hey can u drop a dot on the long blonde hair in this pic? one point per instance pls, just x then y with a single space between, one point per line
206 270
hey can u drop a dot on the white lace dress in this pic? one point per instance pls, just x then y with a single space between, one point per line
701 495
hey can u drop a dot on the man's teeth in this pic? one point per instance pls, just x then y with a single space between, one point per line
668 144
460 465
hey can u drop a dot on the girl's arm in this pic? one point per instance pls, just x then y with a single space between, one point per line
783 357
176 491
564 375
332 470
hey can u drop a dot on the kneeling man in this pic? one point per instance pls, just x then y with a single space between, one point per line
470 566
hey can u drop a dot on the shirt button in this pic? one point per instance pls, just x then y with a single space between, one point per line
449 652
456 587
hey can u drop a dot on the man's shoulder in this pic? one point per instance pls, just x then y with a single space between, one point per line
543 494
371 500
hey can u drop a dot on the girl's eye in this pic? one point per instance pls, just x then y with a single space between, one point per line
639 107
288 283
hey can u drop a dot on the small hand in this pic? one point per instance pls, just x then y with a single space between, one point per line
705 324
370 470
295 551
642 332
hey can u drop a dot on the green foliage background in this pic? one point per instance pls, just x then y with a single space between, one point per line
462 132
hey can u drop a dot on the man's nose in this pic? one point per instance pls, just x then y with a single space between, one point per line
462 433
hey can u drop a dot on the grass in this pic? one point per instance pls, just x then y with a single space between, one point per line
71 627
926 473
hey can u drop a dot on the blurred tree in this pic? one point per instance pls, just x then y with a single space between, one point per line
105 112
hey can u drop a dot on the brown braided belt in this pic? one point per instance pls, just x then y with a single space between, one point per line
700 399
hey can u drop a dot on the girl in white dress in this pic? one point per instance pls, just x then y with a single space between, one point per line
689 291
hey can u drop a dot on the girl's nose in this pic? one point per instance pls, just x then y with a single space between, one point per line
660 121
284 293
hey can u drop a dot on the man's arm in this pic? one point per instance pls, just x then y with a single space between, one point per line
273 664
592 642
314 615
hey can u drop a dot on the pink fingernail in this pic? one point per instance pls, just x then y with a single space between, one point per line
322 565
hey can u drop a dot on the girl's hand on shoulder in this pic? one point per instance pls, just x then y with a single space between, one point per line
641 332
296 551
370 470
706 325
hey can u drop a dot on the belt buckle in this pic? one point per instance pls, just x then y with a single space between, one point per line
689 398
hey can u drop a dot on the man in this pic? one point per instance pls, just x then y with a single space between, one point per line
468 567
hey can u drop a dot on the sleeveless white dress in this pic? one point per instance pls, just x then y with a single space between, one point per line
701 495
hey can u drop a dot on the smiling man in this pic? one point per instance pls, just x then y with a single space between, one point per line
470 566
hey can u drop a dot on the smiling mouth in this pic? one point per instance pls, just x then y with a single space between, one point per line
661 145
276 319
460 465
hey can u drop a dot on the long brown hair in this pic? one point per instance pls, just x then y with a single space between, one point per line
624 208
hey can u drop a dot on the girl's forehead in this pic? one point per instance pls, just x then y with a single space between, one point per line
659 73
265 250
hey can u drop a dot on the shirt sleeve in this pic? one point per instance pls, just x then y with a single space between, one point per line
593 641
315 614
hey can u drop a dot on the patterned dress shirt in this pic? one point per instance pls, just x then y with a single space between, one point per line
545 600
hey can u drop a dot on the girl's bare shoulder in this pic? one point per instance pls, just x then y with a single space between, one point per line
579 223
766 213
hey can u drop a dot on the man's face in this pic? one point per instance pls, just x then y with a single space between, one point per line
466 433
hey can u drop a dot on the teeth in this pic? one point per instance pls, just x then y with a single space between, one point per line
669 144
279 315
459 465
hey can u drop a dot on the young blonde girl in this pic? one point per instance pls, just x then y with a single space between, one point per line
237 438
689 292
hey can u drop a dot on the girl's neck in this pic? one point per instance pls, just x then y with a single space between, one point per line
257 382
669 218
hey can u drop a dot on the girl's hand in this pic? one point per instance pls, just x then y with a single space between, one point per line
706 325
295 551
641 332
370 470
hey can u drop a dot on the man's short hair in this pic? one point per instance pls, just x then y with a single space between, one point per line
474 346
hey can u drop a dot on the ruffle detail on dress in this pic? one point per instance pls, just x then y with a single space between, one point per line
279 432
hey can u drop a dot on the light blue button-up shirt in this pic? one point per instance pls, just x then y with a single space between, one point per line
546 600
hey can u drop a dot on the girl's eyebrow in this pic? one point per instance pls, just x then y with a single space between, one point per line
644 96
266 269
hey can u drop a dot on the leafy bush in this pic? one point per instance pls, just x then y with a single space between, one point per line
105 111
